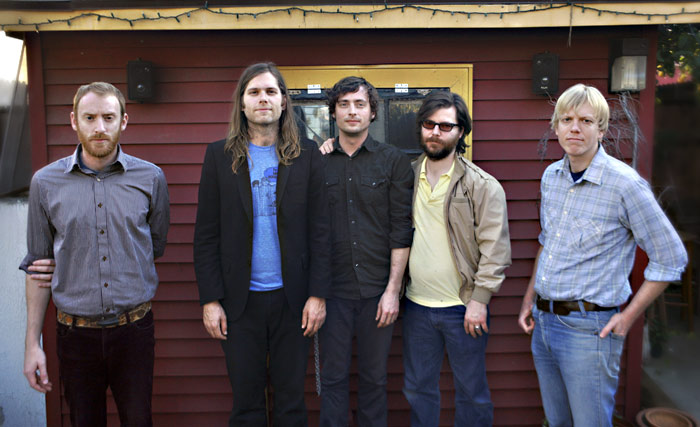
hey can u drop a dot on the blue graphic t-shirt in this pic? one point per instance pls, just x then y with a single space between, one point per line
266 273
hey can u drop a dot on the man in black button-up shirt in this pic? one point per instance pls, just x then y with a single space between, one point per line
370 187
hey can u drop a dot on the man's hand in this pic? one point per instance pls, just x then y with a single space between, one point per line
42 270
214 318
313 316
35 369
525 319
475 319
387 309
326 147
618 324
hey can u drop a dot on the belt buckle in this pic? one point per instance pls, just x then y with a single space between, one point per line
107 322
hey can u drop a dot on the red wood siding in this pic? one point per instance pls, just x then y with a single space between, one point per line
196 74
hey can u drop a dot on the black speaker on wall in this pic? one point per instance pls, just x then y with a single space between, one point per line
545 73
140 80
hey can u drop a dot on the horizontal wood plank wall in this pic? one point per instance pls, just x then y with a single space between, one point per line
195 76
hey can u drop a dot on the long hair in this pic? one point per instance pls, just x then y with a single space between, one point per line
439 99
238 137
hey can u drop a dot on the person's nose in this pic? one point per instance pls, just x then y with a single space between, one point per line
99 125
575 126
436 130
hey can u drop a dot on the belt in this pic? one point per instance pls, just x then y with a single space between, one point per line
563 308
133 315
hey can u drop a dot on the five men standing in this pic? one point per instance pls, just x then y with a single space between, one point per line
261 249
103 216
461 248
369 189
285 241
595 210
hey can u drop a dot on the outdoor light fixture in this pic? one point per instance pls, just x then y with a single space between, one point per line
628 65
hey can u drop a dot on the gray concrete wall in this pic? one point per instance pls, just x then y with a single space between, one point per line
19 404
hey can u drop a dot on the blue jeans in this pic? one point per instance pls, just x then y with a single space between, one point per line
427 332
577 370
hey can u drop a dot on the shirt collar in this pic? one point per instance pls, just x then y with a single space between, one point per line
76 162
594 171
369 144
424 162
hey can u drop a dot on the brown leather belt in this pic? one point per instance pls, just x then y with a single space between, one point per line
133 315
563 308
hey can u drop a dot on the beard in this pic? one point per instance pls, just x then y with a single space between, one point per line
445 149
98 150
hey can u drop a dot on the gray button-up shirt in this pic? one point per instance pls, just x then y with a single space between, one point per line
104 229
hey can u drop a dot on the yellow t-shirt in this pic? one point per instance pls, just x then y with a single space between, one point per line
435 281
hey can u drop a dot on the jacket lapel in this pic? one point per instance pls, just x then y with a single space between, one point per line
282 177
243 180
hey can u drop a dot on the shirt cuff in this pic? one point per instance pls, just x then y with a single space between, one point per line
481 295
660 273
27 261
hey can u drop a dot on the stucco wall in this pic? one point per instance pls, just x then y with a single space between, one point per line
20 405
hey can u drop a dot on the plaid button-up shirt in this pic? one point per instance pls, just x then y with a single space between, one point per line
590 230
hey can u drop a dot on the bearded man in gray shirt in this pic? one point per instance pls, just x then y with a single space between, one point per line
103 216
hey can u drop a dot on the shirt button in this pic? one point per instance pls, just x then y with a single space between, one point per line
558 235
104 258
571 191
357 265
544 279
106 285
99 205
350 201
107 310
354 243
350 179
102 232
98 180
352 222
550 257
564 212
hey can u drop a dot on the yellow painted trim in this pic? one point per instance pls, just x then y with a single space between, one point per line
457 77
358 17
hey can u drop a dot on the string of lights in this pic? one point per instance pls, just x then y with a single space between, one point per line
338 11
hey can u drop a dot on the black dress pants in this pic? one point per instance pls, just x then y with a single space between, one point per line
267 326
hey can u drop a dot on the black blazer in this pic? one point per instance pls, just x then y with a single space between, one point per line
223 234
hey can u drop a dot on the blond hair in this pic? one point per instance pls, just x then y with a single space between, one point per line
577 95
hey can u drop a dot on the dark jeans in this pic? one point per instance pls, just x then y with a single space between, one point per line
121 358
427 333
345 318
267 326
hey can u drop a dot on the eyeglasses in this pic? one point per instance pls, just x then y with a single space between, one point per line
444 126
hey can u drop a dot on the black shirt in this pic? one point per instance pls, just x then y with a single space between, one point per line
370 195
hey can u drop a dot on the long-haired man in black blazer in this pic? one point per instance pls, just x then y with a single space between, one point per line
261 249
